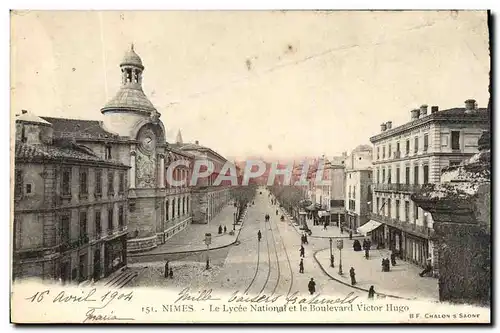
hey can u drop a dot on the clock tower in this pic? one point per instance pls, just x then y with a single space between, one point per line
142 146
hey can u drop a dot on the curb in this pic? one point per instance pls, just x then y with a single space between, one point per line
349 285
144 254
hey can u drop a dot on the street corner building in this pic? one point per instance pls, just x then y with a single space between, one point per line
407 158
461 208
88 192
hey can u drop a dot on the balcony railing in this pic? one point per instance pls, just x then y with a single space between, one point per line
406 188
412 228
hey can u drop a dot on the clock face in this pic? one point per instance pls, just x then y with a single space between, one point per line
148 143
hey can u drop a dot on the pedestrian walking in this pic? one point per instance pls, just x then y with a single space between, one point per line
166 269
341 229
276 212
220 229
311 286
302 241
367 253
350 234
332 261
259 235
385 265
371 292
301 266
324 226
305 239
302 251
171 273
393 259
352 273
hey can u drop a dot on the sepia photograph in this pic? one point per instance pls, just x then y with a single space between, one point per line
273 166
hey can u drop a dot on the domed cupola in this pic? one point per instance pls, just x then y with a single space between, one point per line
129 106
130 97
132 59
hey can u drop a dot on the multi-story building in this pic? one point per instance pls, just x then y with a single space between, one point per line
329 195
358 187
208 196
88 192
413 154
70 206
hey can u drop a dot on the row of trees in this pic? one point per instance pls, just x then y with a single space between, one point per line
292 198
242 196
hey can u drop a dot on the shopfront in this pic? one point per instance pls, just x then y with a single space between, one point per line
352 221
417 250
395 241
115 255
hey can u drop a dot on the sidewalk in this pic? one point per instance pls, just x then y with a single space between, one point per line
402 281
192 239
332 231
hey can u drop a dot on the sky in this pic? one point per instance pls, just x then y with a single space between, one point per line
275 84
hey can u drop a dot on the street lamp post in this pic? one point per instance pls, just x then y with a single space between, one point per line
208 241
340 246
331 254
234 221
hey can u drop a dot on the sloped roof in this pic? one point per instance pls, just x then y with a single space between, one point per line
59 151
130 98
78 128
362 148
31 118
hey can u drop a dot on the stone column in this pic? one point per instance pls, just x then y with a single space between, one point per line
132 169
161 157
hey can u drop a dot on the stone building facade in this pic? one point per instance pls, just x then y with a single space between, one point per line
461 208
130 156
409 156
208 196
358 187
70 207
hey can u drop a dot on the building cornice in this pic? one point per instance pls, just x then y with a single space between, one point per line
432 118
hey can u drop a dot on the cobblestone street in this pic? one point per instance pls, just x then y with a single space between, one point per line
271 266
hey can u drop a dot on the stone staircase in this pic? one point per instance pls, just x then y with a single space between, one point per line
121 278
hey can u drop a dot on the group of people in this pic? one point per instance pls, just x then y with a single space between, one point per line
169 272
221 229
428 268
266 217
386 264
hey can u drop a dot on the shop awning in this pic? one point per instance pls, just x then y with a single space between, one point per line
369 227
322 213
314 207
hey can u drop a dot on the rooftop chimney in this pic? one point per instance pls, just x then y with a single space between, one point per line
470 105
383 127
388 125
434 109
197 142
415 113
423 110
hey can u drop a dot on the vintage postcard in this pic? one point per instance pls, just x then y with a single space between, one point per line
250 167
